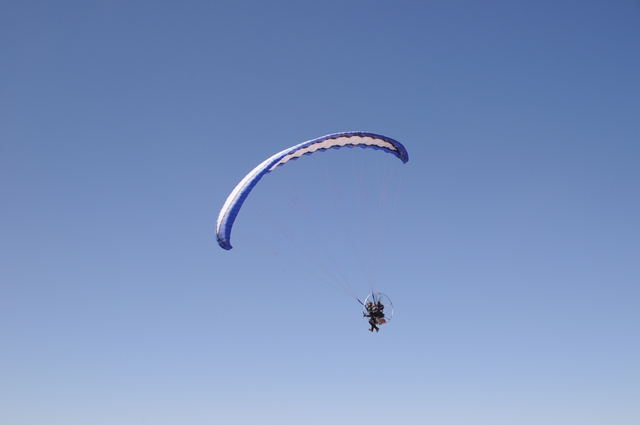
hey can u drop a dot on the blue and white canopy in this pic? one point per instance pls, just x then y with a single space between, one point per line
235 200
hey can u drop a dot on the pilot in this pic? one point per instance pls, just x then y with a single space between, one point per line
374 313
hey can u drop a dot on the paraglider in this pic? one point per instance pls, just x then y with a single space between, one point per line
379 309
375 305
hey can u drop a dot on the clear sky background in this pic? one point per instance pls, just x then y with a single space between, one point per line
124 125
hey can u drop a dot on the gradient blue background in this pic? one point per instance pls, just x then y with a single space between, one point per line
124 125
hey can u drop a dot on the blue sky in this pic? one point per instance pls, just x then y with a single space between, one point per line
124 125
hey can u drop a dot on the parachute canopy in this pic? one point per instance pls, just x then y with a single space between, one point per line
237 197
